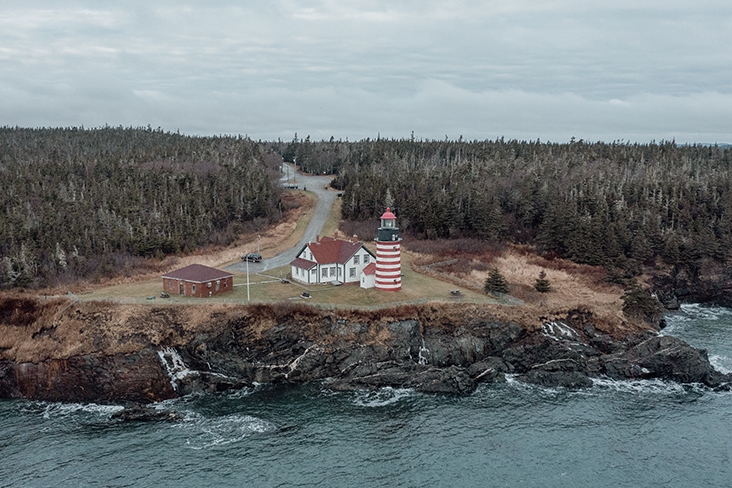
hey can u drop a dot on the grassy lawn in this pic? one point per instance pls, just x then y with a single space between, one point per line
268 287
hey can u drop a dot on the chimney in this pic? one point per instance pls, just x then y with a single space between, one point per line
354 238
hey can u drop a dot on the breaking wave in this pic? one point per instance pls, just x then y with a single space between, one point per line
382 397
211 432
653 386
723 364
53 410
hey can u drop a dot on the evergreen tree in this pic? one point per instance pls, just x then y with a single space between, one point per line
495 283
542 284
639 303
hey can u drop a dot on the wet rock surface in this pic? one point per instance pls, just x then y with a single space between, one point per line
136 377
144 413
455 360
436 357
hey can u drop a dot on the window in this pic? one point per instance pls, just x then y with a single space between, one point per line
208 284
333 271
366 259
218 283
225 283
355 259
170 284
352 273
324 272
193 288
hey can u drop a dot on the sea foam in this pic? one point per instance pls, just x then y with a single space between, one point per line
211 432
723 364
382 396
59 410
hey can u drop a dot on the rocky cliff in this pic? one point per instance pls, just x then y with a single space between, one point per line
702 281
114 353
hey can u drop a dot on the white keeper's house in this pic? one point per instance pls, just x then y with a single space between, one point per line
330 259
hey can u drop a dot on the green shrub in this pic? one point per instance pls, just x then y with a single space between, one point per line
639 303
542 285
495 283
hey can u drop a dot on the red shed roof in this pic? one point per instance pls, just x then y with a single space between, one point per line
329 250
370 269
197 273
388 215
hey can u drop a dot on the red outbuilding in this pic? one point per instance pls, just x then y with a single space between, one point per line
199 281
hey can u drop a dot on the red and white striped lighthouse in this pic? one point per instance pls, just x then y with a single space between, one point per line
388 254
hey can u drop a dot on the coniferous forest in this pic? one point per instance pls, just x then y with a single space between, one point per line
620 205
82 203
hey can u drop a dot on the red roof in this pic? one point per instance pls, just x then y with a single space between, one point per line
388 215
370 269
329 250
197 273
303 263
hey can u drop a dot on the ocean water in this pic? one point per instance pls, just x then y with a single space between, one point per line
617 433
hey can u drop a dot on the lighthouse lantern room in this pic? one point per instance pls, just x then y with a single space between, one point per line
388 254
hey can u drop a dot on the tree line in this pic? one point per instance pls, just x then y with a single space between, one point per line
618 204
83 202
79 202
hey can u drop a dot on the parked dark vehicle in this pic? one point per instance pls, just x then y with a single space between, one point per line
252 256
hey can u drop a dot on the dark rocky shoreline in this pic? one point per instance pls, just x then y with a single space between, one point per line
424 356
703 281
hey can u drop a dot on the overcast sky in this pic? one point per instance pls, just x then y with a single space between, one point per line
637 70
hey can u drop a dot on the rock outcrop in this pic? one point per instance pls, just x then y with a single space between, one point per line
428 349
135 377
143 413
662 357
703 281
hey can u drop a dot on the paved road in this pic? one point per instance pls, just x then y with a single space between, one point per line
316 184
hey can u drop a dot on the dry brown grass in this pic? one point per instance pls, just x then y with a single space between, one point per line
573 287
61 331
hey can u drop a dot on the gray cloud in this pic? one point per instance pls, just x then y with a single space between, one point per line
550 70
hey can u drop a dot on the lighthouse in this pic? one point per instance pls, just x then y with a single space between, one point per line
388 254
